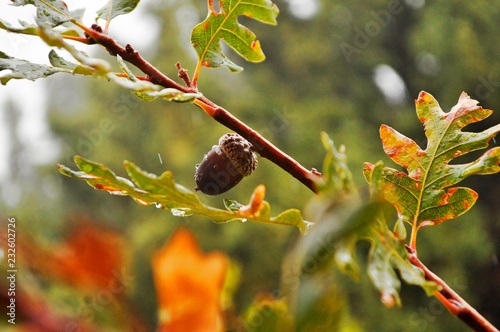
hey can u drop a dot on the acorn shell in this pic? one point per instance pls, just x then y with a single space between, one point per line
240 152
225 165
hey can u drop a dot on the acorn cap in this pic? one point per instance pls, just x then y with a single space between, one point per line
240 152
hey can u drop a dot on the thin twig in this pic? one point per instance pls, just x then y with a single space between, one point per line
451 300
182 73
132 56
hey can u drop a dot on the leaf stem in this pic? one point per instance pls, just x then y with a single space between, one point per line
197 72
413 237
82 40
310 178
451 300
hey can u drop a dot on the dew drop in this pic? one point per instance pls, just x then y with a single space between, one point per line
181 212
117 192
158 206
88 177
244 220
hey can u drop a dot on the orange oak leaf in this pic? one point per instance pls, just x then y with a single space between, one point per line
188 285
255 204
425 195
91 257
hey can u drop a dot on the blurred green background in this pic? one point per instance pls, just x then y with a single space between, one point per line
343 67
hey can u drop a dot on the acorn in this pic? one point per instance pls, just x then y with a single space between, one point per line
225 165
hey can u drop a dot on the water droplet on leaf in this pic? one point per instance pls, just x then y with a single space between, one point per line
181 212
117 192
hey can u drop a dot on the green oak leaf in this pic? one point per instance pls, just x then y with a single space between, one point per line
116 7
224 25
388 254
422 195
26 28
57 61
55 39
268 314
162 192
51 12
337 177
23 69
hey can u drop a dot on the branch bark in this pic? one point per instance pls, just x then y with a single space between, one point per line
451 300
310 178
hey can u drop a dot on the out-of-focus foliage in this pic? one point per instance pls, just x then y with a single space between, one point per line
52 12
189 285
115 8
306 85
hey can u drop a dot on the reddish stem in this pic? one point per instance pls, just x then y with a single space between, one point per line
451 300
265 148
82 40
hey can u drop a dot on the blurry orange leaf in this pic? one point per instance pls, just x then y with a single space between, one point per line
189 285
90 257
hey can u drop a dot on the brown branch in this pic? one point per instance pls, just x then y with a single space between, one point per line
310 178
451 300
132 56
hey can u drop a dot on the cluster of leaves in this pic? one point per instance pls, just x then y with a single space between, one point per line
340 217
54 22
